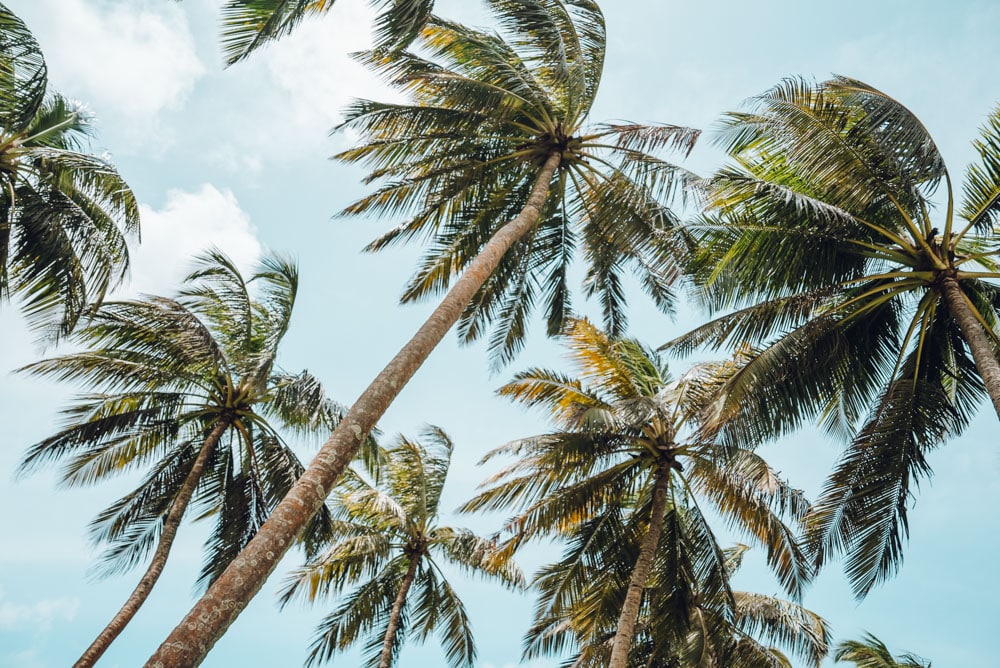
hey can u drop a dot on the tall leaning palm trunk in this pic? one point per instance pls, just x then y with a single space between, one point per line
495 160
640 573
163 545
247 574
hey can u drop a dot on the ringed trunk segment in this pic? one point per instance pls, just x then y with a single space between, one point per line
170 525
189 643
640 573
397 610
979 342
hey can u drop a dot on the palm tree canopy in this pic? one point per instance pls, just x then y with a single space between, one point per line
824 243
614 419
161 373
872 653
380 529
64 215
620 422
707 631
485 111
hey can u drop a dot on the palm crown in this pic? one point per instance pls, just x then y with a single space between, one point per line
871 652
189 389
861 311
625 458
64 215
388 540
462 158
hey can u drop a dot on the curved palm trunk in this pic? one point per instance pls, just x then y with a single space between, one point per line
170 524
192 639
974 334
640 573
397 609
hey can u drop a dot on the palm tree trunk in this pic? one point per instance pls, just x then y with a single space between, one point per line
397 609
191 640
974 334
640 573
170 524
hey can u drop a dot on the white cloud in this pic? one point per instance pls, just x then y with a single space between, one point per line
301 84
189 223
129 61
39 614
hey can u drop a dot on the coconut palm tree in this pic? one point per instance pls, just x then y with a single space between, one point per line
624 444
872 653
494 160
247 25
190 391
388 549
64 215
866 305
704 631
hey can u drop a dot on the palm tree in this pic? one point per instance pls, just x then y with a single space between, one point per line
189 390
494 128
860 310
389 543
872 653
247 25
624 445
64 215
705 631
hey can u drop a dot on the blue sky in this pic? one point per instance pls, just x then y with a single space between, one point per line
238 158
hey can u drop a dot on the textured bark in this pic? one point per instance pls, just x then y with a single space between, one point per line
640 573
385 661
979 342
170 524
192 639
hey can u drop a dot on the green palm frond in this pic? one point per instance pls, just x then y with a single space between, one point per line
622 422
163 376
459 160
23 75
873 653
248 25
379 531
981 190
820 242
65 216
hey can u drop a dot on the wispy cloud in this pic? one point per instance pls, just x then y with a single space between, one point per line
129 61
37 615
188 223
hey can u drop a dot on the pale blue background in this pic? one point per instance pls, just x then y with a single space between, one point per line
239 158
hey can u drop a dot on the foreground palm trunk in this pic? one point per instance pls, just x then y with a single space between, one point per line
192 639
974 334
170 524
385 661
640 574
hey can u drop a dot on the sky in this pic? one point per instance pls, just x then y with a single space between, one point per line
238 158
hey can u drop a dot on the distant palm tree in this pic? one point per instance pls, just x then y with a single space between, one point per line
626 451
388 541
872 653
868 307
189 389
741 629
64 215
247 25
495 162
